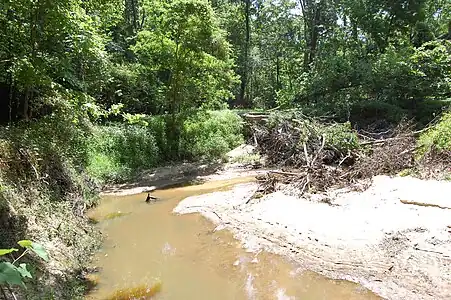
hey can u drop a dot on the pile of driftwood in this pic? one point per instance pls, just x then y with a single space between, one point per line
314 155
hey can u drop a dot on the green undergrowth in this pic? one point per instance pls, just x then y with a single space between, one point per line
209 135
118 151
246 159
438 138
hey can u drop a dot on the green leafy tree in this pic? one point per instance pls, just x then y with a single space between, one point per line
183 46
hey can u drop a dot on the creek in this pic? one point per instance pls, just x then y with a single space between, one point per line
148 245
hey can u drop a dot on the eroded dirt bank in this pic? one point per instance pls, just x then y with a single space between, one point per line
393 238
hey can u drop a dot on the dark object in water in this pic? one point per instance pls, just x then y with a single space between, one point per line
150 198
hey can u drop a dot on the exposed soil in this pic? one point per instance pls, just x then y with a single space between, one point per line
182 174
392 238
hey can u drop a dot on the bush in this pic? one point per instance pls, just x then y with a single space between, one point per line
157 127
438 138
211 134
426 110
341 137
118 151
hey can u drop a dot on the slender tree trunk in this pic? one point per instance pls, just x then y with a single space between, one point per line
306 38
26 105
131 16
245 72
305 8
33 39
172 124
135 15
311 14
278 72
10 77
10 97
355 35
314 35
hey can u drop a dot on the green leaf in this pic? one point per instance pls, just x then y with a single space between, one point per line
23 271
25 243
10 275
36 248
39 250
7 251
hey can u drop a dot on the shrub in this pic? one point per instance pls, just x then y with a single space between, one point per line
211 134
341 137
157 127
369 112
438 138
117 151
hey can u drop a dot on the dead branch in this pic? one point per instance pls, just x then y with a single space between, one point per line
300 143
320 149
286 173
306 154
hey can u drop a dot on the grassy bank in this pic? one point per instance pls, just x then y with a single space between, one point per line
51 171
44 193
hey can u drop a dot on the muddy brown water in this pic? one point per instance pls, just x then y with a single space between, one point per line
148 244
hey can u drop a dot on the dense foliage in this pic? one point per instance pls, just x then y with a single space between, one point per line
166 57
118 151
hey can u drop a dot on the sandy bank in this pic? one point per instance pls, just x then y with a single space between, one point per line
398 250
163 177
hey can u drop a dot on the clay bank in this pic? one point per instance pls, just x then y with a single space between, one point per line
392 238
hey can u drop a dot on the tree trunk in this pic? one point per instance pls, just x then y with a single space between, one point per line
278 85
245 71
314 35
26 105
10 97
312 16
33 41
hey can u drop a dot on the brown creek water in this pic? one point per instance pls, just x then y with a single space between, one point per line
149 244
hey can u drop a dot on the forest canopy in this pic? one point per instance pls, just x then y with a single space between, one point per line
157 57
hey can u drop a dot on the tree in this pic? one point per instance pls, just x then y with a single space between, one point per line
183 46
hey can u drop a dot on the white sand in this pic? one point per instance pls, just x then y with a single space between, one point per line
400 251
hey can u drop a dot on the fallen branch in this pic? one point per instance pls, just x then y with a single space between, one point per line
211 210
320 149
256 117
286 173
307 181
430 251
306 154
381 141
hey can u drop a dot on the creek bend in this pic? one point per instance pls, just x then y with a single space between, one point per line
145 244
